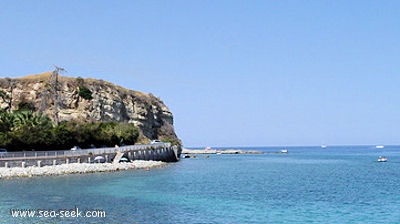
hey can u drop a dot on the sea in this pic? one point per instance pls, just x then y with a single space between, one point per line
336 184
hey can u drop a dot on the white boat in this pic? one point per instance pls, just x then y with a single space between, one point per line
323 146
284 151
382 159
379 146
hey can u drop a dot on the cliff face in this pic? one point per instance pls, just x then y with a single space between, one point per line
106 102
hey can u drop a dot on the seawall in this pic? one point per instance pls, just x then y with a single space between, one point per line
155 152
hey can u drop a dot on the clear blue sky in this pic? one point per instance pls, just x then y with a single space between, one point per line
234 73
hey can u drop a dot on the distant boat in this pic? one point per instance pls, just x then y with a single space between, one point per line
382 159
323 146
379 146
284 151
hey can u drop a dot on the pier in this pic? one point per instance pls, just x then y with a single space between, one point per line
225 151
156 152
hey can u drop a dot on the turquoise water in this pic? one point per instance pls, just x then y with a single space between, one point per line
307 185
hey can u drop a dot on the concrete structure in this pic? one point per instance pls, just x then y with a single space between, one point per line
156 152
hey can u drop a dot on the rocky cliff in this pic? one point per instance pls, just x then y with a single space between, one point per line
89 100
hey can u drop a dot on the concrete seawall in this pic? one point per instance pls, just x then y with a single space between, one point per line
156 152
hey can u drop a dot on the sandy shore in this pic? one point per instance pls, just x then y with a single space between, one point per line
73 168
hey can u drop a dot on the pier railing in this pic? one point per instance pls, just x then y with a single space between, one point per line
81 152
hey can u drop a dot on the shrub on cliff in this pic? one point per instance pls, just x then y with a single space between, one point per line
126 133
25 105
111 133
85 93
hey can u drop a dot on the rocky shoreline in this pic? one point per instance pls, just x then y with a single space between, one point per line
75 168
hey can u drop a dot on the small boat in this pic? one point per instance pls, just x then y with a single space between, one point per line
323 146
379 146
284 151
382 159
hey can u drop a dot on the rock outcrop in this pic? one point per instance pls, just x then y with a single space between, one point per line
103 101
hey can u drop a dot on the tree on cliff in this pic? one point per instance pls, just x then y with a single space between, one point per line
26 130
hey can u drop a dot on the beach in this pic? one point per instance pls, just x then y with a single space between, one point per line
75 168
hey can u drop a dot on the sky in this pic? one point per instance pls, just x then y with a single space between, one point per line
233 73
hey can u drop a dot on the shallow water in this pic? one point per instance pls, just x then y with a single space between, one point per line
307 185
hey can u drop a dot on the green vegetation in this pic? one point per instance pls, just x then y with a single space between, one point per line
26 130
25 105
84 92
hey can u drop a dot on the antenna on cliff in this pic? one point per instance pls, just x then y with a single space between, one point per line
54 89
11 85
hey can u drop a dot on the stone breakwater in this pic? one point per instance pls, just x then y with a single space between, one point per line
75 168
225 151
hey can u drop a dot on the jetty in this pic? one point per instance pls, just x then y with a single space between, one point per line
163 152
217 151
